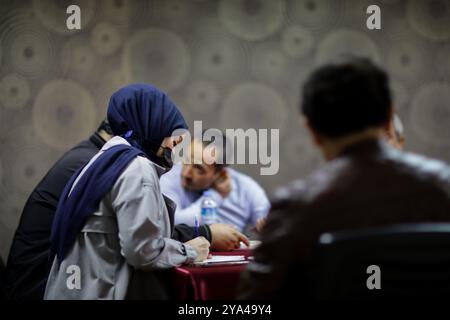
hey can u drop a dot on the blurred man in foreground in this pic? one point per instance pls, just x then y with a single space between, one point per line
365 182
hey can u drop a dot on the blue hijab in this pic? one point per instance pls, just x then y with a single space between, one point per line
142 114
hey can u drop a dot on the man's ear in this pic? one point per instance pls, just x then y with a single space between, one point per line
389 129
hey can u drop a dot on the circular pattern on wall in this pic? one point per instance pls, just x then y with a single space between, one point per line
7 233
218 56
344 43
156 56
202 96
14 91
7 123
254 105
28 50
105 39
79 60
400 95
175 14
355 13
298 74
296 41
12 206
399 31
252 19
26 165
270 64
18 17
430 113
5 5
22 133
390 2
180 101
299 153
405 60
442 62
63 108
1 179
112 81
315 14
430 18
53 15
125 12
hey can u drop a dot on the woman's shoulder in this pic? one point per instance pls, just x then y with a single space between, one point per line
140 169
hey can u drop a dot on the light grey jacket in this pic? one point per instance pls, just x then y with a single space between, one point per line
124 246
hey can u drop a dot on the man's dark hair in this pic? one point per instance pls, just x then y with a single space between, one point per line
341 99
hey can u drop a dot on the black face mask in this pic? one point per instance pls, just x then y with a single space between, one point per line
166 159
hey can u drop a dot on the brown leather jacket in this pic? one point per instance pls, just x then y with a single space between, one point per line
368 185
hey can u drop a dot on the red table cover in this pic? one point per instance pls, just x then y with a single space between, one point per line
218 282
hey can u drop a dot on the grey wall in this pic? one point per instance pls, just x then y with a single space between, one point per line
230 63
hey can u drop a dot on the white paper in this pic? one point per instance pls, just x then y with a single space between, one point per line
221 259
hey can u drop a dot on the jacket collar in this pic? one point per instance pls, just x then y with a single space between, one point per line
368 146
97 140
117 140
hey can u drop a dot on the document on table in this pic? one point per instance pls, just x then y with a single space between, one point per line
222 260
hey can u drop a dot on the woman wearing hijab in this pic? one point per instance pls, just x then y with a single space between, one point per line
111 233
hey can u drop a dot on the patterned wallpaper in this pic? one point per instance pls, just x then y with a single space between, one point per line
230 63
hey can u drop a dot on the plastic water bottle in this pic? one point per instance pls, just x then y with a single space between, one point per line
208 209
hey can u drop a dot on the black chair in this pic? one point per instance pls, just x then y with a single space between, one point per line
414 261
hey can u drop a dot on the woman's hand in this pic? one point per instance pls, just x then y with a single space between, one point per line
201 245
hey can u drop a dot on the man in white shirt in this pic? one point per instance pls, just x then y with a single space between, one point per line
241 200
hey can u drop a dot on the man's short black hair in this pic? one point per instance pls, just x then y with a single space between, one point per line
341 99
